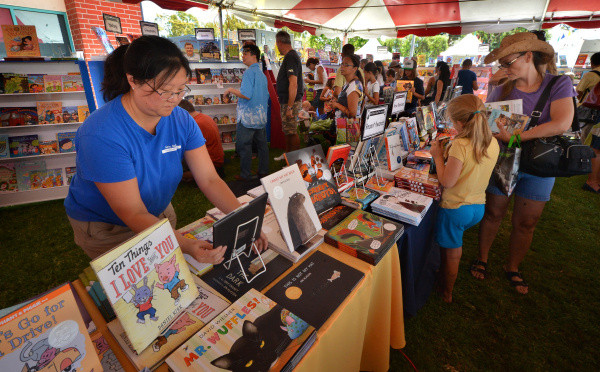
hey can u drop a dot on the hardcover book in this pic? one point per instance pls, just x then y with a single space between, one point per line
204 308
23 145
147 282
72 83
70 114
48 334
359 197
15 83
233 52
200 230
379 184
49 112
35 83
66 141
8 178
216 77
254 333
209 51
53 83
403 205
17 116
203 76
294 210
365 236
337 157
393 146
107 357
320 279
20 41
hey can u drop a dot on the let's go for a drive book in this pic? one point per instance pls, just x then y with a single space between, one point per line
254 333
47 334
147 282
316 287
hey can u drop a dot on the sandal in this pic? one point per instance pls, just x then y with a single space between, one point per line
476 262
516 283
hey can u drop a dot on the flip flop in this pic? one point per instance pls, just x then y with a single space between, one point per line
516 283
474 267
589 188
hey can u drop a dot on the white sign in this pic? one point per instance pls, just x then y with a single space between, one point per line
149 28
374 123
205 33
382 49
327 47
112 23
399 102
484 48
246 34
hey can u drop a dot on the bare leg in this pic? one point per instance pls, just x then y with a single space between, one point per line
449 271
495 209
526 214
594 178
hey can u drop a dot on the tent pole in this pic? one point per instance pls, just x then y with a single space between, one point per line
222 31
412 46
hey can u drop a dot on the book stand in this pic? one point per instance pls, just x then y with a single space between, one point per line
340 175
368 161
244 249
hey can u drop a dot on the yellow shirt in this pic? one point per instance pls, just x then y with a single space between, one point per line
588 81
340 80
474 177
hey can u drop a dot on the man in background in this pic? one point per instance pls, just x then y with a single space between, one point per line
290 90
252 106
590 78
211 134
467 78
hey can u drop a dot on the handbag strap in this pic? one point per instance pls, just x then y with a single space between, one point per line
539 106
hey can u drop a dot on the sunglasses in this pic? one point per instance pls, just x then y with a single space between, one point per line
508 64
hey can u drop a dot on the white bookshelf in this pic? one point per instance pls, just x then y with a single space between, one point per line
44 131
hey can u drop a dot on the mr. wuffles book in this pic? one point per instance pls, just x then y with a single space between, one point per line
147 282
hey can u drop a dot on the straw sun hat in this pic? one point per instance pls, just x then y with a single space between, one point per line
521 42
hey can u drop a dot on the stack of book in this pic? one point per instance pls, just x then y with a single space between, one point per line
402 205
419 181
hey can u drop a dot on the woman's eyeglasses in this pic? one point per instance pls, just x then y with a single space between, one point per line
168 96
508 64
347 65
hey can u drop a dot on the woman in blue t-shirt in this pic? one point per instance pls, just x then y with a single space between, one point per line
129 153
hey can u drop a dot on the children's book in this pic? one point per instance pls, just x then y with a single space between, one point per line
8 178
107 357
293 206
217 214
513 123
276 243
393 146
403 205
209 51
189 46
49 112
365 236
95 290
46 179
20 41
83 112
203 76
24 170
216 77
379 184
53 83
48 334
66 141
15 83
405 86
227 74
147 282
340 124
72 83
35 83
70 114
48 147
353 131
17 116
23 145
70 172
359 197
514 105
200 230
254 333
204 308
320 279
337 157
4 153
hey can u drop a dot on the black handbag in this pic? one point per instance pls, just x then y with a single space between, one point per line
557 156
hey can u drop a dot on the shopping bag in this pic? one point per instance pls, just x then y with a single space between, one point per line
506 169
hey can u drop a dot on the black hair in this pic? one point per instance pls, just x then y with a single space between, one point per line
348 50
283 37
145 59
25 38
379 65
595 59
444 70
371 67
541 35
391 73
253 50
186 105
312 60
467 63
356 63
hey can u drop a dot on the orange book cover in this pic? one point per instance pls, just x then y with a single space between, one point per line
20 41
47 334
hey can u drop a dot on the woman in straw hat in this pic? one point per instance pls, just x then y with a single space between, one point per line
524 58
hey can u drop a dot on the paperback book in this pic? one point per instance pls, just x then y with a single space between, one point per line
70 114
403 205
66 141
70 172
8 178
83 112
107 357
513 123
320 279
4 153
253 332
18 116
48 147
147 282
379 184
72 83
53 83
20 41
15 83
23 146
365 236
337 157
203 76
35 83
359 197
24 170
515 105
49 112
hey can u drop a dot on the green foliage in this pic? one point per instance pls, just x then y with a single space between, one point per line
357 41
319 42
495 39
178 24
430 46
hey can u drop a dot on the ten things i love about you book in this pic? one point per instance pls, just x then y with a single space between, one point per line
147 282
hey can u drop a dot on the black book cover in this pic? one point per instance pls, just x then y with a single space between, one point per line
232 284
316 288
334 216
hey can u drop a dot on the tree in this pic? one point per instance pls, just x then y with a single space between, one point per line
178 24
357 41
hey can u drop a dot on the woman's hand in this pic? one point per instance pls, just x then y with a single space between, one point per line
436 149
262 243
203 251
503 134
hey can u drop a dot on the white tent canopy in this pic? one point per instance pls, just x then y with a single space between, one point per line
371 48
467 46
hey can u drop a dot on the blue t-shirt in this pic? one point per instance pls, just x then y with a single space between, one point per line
112 147
466 79
252 112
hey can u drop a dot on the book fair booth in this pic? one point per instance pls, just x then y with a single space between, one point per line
349 219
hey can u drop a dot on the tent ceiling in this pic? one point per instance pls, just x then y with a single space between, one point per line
397 18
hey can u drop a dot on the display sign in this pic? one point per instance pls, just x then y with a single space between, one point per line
297 45
327 47
245 34
373 123
398 103
112 23
205 33
149 28
484 48
382 49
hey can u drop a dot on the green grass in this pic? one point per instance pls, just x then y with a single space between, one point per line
488 327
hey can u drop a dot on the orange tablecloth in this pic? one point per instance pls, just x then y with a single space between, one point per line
358 335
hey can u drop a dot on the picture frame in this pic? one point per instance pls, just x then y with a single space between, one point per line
204 33
149 28
112 23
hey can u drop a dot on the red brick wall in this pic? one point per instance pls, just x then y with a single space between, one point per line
84 14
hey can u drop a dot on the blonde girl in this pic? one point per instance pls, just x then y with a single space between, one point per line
465 175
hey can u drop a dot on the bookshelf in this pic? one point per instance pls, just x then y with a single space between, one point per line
45 132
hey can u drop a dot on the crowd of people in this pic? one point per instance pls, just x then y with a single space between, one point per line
130 151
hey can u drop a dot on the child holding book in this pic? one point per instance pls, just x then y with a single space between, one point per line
327 97
464 173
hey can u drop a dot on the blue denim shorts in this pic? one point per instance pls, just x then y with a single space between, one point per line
452 223
528 186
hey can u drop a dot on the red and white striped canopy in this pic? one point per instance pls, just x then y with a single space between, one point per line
398 18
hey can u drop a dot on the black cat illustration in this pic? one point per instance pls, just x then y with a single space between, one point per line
261 344
299 221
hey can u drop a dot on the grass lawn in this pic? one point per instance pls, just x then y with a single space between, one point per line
488 327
